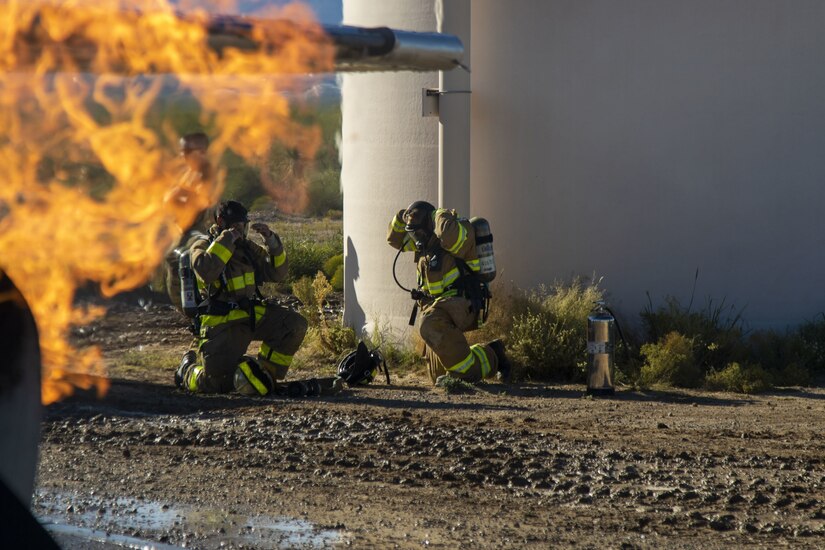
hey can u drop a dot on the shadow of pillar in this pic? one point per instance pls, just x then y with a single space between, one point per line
354 315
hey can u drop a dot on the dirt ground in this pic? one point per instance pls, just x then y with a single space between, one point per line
408 465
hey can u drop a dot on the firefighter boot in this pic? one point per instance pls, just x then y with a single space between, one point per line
504 367
189 359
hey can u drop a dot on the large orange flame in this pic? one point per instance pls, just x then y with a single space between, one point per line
89 164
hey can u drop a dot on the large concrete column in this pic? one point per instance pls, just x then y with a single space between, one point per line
454 112
389 159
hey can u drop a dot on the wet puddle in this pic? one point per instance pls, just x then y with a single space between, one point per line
135 523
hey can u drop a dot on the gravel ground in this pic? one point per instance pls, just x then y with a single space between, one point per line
407 465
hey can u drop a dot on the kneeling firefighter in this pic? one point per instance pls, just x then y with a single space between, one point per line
231 313
451 293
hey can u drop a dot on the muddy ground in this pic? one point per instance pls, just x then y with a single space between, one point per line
407 465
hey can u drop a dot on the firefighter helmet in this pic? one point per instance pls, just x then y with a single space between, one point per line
232 212
251 379
361 366
419 223
419 215
197 141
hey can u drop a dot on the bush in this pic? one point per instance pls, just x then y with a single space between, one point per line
324 193
670 362
307 257
549 340
313 294
716 330
337 279
792 375
332 264
812 344
327 338
243 181
739 379
399 355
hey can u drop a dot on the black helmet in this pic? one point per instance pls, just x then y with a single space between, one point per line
419 223
197 141
419 215
361 366
232 212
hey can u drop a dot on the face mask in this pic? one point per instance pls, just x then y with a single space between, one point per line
421 237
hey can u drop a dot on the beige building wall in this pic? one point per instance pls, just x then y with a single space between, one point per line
389 159
642 140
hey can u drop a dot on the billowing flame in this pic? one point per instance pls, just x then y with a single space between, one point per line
90 188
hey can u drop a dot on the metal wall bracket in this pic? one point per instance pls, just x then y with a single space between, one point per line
429 99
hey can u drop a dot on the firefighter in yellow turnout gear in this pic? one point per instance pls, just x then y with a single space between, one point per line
229 268
446 258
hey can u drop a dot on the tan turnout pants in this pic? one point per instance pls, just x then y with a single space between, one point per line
280 330
442 328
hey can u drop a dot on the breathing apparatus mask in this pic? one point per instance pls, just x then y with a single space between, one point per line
419 225
231 213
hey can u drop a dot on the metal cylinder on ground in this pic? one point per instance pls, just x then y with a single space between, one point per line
601 343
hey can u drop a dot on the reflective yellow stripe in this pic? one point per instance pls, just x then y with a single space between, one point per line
215 320
448 294
475 265
220 251
437 287
481 355
279 260
252 378
271 355
462 238
409 245
241 281
464 365
192 382
397 225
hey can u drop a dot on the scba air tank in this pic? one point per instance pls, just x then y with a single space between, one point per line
188 290
601 343
484 249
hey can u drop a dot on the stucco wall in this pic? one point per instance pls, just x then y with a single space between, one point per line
645 139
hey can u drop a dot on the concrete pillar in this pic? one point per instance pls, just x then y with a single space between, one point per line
389 159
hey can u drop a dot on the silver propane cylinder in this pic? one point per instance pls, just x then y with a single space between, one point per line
601 342
484 249
188 290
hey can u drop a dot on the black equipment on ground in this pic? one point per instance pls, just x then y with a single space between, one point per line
362 365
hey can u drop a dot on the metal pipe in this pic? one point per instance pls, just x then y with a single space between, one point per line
357 49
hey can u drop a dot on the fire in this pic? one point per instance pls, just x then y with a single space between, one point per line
91 189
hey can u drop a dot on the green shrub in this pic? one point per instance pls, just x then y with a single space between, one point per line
812 344
307 257
739 379
334 270
332 264
243 181
670 362
336 338
792 375
455 385
773 349
548 341
324 193
313 294
716 330
399 355
337 280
